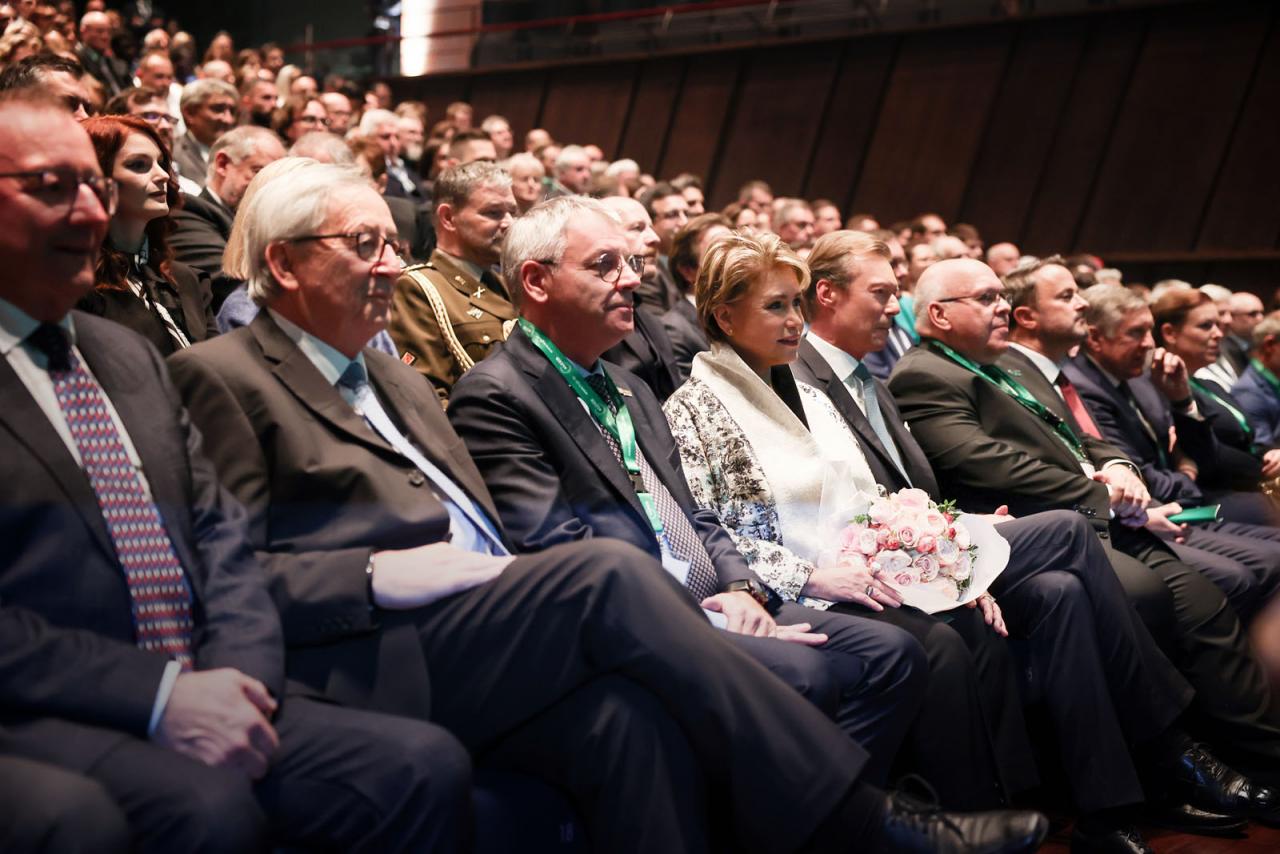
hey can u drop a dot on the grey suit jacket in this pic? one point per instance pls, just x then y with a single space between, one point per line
186 153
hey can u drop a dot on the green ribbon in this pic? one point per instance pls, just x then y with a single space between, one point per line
1002 380
1230 407
1267 375
620 426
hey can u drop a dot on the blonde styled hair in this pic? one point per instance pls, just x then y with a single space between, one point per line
732 265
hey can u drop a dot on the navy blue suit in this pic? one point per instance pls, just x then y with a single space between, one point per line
1261 404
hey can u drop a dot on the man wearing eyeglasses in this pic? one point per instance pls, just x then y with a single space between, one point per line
992 440
452 311
139 645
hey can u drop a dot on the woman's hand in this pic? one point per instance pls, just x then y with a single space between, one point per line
849 584
991 613
1271 463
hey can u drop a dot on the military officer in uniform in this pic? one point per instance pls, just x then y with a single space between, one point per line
452 310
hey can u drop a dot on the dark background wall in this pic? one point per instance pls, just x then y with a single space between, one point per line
1150 137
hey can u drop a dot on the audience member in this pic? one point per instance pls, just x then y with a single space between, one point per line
412 141
690 186
669 212
146 104
1003 257
209 111
794 223
53 76
338 107
299 115
1258 390
572 171
537 138
681 321
258 100
526 180
756 195
826 217
928 227
453 310
95 54
499 130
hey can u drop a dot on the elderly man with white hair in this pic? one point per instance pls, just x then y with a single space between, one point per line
383 126
388 563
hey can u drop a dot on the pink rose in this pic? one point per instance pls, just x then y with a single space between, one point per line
849 537
963 539
913 499
927 544
908 536
927 566
867 542
947 588
933 522
903 579
892 542
893 561
881 511
961 570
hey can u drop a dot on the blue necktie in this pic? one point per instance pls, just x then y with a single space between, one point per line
871 403
472 530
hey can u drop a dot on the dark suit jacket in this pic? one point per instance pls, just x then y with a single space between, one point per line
67 646
658 294
1236 351
552 475
186 154
1238 467
1121 426
111 72
647 353
323 492
985 448
813 369
413 224
187 291
1260 404
685 333
201 228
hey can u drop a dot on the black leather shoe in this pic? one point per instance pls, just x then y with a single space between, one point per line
913 826
1185 818
1210 785
1124 839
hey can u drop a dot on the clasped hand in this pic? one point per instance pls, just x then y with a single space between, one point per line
746 616
221 718
411 578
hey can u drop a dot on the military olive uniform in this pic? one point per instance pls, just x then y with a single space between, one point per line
445 320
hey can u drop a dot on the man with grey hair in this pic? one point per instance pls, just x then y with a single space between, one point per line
390 563
203 222
94 53
1258 389
1001 435
499 130
452 311
794 223
383 126
572 172
209 110
1003 257
1237 339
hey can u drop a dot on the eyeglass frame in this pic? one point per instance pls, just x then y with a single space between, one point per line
635 262
384 242
110 187
996 300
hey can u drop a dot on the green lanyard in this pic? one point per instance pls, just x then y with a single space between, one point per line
1267 375
1003 381
620 426
1235 412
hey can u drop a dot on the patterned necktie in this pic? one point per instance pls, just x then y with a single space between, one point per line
871 403
1076 406
158 592
678 536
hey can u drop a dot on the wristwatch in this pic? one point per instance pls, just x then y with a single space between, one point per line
768 600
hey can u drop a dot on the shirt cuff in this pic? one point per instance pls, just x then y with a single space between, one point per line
172 671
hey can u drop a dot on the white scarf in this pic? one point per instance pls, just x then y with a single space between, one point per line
796 461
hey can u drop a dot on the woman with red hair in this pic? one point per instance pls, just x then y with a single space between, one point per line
138 284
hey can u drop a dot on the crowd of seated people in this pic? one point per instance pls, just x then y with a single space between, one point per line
375 485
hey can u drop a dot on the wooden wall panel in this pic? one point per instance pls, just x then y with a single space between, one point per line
652 111
1245 209
589 105
1174 128
514 95
1024 122
934 114
1084 129
779 109
700 109
850 120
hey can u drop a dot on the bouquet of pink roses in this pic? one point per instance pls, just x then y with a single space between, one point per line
922 548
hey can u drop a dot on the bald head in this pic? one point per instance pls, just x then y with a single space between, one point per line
960 302
1246 311
1003 257
95 31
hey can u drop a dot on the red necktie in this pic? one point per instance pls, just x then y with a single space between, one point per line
1072 398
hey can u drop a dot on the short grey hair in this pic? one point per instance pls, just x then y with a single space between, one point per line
569 154
372 120
283 209
195 93
1108 305
492 123
1267 327
325 147
1217 293
456 184
526 160
617 167
240 142
539 234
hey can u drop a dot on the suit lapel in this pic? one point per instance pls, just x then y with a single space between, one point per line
26 421
296 373
568 412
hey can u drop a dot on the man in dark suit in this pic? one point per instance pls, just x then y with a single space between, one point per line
162 678
203 223
992 441
94 53
1258 390
681 320
388 562
647 351
1106 684
1108 375
209 109
555 479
